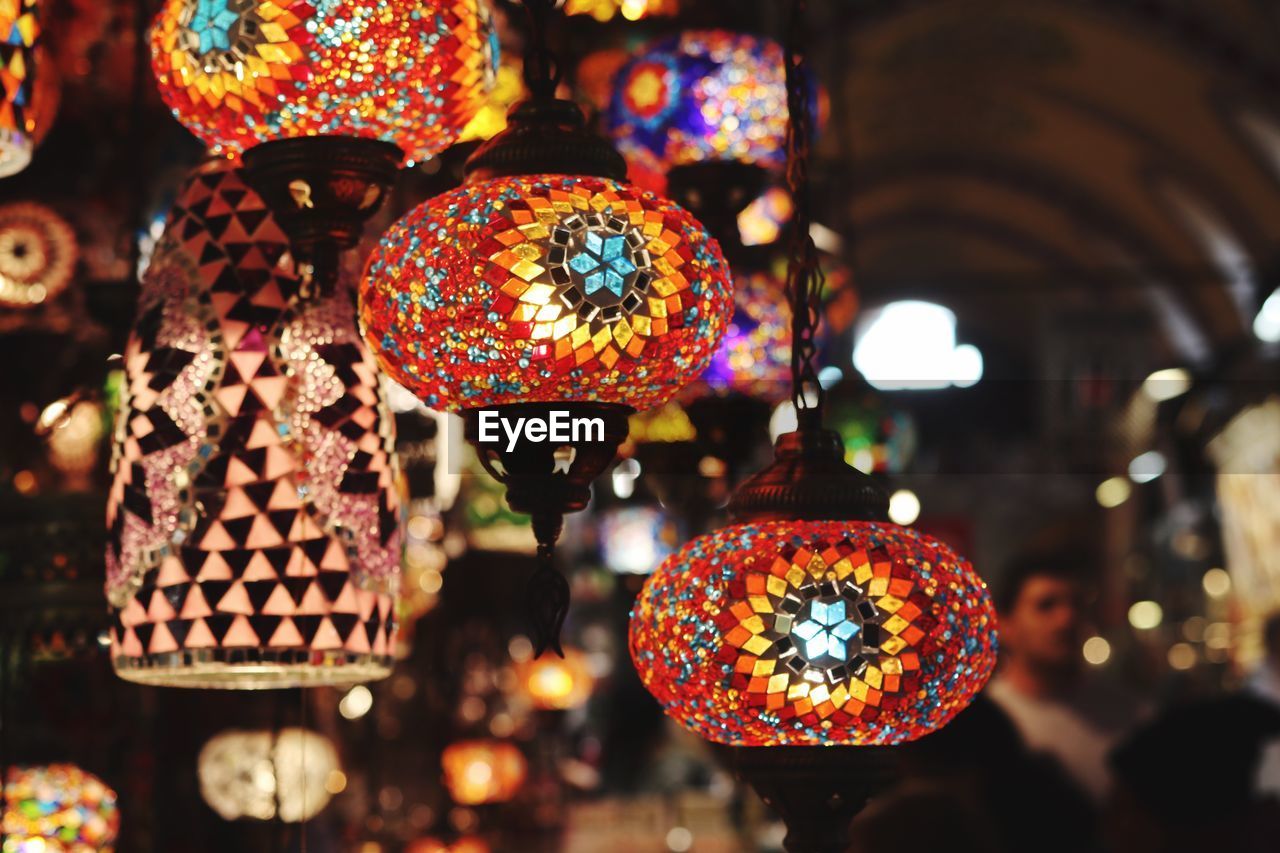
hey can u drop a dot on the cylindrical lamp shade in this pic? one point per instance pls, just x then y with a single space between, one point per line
254 520
28 94
408 72
37 255
483 771
801 633
264 775
59 808
704 95
754 356
545 289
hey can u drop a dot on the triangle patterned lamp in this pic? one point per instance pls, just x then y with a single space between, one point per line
254 520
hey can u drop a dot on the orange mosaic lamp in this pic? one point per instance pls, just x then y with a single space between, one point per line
254 521
546 283
28 90
412 73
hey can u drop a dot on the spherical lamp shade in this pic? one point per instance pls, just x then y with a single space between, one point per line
59 808
754 356
704 95
28 91
545 288
262 775
254 519
804 633
37 255
241 72
477 772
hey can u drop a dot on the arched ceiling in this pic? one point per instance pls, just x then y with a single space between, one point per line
1021 158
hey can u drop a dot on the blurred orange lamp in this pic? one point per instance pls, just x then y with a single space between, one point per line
556 684
478 772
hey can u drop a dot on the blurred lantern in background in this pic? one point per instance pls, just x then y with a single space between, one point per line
408 72
28 89
556 684
594 76
762 221
635 539
254 517
267 775
478 772
632 10
754 357
704 95
58 808
877 439
545 283
37 255
465 844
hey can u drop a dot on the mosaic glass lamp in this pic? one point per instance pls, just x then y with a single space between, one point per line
546 283
28 91
37 255
59 808
254 520
478 772
325 99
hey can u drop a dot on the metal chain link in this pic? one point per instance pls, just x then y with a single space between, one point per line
542 72
805 278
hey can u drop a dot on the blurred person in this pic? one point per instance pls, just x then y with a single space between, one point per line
1058 708
973 787
1187 782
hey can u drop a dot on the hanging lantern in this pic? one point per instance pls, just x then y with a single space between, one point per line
411 73
701 96
632 10
253 517
325 99
754 357
28 89
478 772
812 634
264 775
37 255
545 285
59 808
556 684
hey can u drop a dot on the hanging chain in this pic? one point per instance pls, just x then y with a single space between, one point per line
804 273
542 70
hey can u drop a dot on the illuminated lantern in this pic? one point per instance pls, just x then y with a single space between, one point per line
703 95
59 808
556 684
761 222
325 99
811 635
254 520
37 255
477 772
632 10
28 92
264 775
546 284
754 357
465 844
408 72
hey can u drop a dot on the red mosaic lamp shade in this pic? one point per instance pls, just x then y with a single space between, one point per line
254 520
28 88
814 633
545 288
409 72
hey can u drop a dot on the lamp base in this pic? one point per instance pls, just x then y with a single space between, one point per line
322 189
816 790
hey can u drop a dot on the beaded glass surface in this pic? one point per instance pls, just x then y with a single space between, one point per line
409 72
814 633
545 288
254 519
703 95
59 808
